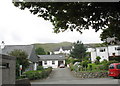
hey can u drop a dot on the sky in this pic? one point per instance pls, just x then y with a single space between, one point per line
20 27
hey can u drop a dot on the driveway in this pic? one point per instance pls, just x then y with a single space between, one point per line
65 76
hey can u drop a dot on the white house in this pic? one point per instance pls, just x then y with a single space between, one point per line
65 50
105 52
51 60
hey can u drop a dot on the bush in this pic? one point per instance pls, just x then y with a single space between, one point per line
93 66
32 75
106 65
84 63
104 61
40 68
71 67
76 60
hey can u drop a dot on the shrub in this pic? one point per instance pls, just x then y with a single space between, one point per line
97 60
32 75
104 61
106 65
71 67
84 63
93 66
76 60
40 68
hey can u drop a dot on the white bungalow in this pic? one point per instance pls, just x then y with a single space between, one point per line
53 61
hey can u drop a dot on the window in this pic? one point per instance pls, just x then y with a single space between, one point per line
53 62
117 48
118 66
4 65
111 67
102 50
45 62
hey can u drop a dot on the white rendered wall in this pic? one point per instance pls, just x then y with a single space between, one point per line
96 52
112 50
103 55
49 64
93 55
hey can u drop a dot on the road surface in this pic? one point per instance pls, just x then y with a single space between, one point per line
65 76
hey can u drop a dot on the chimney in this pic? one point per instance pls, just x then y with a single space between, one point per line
2 44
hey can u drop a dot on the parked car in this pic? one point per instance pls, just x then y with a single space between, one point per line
62 66
114 70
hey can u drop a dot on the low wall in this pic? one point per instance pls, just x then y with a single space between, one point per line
23 82
91 74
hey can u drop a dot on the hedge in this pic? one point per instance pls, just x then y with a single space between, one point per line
39 74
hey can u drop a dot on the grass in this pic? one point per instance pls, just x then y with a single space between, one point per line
51 46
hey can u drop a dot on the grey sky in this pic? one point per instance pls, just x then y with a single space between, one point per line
21 27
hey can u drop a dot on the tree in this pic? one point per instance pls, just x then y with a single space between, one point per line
40 51
21 59
112 31
78 51
77 15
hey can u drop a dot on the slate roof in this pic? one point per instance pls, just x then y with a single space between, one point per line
51 57
29 49
64 48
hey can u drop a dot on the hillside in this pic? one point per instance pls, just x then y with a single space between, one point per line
52 46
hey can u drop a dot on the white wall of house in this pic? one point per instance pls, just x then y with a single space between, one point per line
104 52
49 64
93 55
114 50
56 52
35 66
62 51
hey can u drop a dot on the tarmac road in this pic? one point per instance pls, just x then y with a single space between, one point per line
65 76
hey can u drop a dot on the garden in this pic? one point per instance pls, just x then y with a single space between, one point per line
40 73
86 69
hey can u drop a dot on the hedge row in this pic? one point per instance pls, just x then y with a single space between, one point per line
33 75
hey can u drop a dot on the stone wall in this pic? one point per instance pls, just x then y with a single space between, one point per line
8 67
91 74
23 82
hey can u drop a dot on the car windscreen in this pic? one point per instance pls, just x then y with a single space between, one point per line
118 66
111 67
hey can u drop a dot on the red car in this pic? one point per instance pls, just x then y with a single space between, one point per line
114 70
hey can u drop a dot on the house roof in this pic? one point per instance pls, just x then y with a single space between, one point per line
7 57
64 48
29 49
51 57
